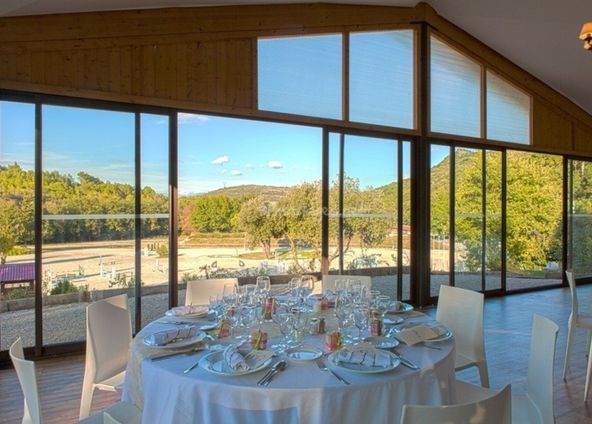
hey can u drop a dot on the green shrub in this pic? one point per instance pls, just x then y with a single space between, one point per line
63 286
19 293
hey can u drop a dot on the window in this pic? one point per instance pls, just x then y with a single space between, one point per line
508 111
455 91
381 77
301 75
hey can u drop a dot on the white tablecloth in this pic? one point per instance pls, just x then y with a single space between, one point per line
301 394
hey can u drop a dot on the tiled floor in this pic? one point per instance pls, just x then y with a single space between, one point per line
507 337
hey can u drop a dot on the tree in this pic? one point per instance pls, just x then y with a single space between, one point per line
214 213
13 226
259 221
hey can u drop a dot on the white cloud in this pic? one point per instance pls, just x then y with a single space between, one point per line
236 173
275 164
220 160
249 165
222 171
191 118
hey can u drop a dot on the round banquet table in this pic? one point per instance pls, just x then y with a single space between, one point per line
302 393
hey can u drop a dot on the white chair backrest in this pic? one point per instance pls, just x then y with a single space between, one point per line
108 336
496 409
540 366
25 371
329 281
199 291
461 311
574 292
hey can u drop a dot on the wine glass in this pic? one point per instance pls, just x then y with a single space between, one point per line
281 317
360 316
229 294
263 285
300 324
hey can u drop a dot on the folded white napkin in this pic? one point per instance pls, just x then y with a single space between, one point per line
236 361
364 354
181 311
420 333
162 338
396 306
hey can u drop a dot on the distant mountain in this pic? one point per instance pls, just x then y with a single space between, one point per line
270 193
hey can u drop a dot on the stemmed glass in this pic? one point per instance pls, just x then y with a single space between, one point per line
360 316
263 285
300 324
282 318
381 304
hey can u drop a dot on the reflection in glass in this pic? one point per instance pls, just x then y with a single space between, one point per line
301 75
381 78
455 91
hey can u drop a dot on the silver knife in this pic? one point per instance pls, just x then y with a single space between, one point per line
407 362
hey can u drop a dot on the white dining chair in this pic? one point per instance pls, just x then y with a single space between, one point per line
108 336
536 405
199 291
328 281
576 319
495 409
461 310
119 413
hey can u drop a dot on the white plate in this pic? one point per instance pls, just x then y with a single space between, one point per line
208 326
406 308
303 353
214 362
393 320
441 338
179 343
171 313
381 342
395 362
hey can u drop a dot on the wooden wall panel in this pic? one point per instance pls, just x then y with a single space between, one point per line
550 128
583 138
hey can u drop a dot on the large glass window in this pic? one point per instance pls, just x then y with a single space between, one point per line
154 220
249 198
534 220
17 194
440 181
580 218
368 229
381 76
508 111
88 211
301 75
455 91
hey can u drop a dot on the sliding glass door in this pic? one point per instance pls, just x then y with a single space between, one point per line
369 219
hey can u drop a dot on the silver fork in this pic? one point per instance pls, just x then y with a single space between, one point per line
323 367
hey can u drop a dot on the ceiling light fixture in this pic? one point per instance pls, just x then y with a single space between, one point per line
586 35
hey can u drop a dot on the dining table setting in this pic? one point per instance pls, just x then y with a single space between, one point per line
268 354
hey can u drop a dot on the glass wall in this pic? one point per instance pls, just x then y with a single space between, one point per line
154 220
301 75
88 210
534 220
17 238
508 111
440 187
580 218
455 91
372 237
381 73
249 198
